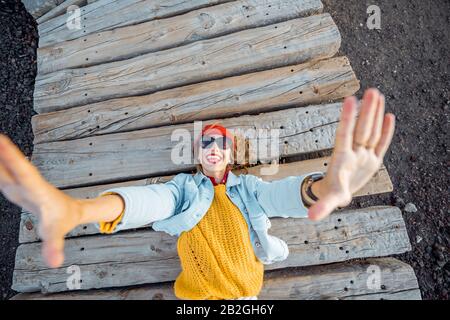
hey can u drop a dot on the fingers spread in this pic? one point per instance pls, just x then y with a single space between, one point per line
344 132
386 135
364 123
377 123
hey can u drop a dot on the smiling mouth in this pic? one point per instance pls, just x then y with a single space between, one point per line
213 158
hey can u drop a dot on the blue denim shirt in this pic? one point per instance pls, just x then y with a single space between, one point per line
179 204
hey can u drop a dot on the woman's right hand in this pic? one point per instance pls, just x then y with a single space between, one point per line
22 184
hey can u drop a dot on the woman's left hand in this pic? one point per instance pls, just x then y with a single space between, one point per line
360 146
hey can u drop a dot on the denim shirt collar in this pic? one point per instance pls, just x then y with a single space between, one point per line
232 179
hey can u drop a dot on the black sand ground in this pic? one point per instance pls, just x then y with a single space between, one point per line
408 60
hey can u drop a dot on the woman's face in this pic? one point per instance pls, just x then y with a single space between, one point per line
213 158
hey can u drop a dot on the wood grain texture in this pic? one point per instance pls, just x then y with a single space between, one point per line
286 43
127 42
38 8
344 281
380 183
340 281
296 85
147 256
110 14
153 152
60 9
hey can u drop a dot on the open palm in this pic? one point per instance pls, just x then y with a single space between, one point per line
22 184
360 146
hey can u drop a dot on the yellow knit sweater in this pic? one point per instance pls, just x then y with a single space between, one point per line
217 257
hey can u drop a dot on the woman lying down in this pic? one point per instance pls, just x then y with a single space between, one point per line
221 219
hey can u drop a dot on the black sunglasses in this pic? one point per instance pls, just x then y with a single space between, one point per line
222 142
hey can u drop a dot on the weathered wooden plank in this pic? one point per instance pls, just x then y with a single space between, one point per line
38 8
109 14
380 183
139 257
309 83
343 281
286 43
127 42
60 9
152 152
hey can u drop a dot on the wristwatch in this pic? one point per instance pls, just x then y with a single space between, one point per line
308 197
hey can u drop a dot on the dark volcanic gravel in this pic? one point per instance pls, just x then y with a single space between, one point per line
408 60
18 42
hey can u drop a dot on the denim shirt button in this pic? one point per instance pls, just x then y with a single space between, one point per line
258 244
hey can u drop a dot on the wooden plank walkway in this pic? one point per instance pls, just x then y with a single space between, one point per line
292 42
127 258
110 95
110 14
161 34
262 91
340 281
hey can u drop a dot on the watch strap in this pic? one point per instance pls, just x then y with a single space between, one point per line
308 197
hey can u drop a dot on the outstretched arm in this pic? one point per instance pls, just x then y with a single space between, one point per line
358 154
58 213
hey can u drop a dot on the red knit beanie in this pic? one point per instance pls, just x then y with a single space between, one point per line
215 129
